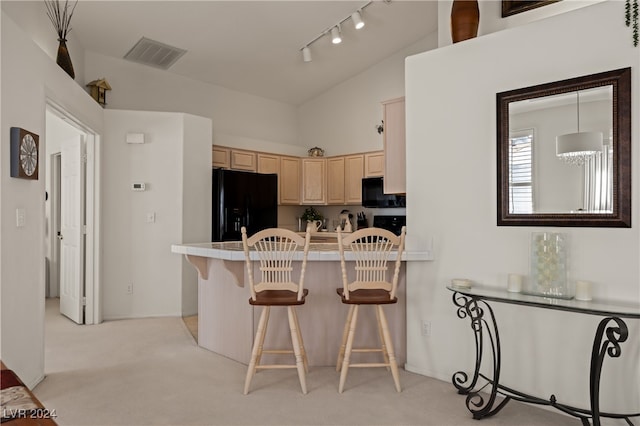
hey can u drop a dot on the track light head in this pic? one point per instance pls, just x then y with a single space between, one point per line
357 20
306 54
336 37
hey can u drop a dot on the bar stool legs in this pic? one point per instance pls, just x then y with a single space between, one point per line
256 352
302 364
296 340
346 347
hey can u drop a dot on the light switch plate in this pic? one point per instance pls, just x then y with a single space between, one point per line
21 218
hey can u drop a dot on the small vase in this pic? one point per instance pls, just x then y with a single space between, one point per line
465 18
63 59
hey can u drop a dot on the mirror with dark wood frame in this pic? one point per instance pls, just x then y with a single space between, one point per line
564 152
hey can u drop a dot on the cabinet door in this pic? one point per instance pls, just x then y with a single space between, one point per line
243 160
268 163
289 181
394 147
353 174
335 180
374 164
314 178
220 157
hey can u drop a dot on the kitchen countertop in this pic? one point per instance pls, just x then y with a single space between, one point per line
318 251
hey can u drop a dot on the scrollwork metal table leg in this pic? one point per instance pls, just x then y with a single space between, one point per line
469 307
615 334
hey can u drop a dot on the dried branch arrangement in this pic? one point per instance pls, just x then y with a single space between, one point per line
60 16
631 18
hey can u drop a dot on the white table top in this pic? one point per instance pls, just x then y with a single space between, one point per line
325 251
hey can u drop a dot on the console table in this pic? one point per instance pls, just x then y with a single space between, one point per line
474 303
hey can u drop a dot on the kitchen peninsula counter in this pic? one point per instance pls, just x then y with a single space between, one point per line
227 323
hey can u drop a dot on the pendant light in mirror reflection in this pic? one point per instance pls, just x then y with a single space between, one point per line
576 148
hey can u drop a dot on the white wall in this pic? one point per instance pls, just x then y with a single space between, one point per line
196 200
239 120
343 119
451 176
174 163
28 78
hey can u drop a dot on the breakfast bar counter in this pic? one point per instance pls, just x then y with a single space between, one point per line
227 322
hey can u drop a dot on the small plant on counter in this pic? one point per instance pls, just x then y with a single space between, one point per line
311 213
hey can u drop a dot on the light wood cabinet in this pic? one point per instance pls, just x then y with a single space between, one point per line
220 157
374 164
268 163
243 160
344 179
289 180
309 180
235 159
353 174
314 177
395 176
336 180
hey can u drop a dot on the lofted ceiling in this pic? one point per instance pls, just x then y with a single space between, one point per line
254 46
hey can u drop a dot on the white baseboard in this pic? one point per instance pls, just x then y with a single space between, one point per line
427 373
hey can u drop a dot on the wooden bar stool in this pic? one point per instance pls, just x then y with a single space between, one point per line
369 252
277 249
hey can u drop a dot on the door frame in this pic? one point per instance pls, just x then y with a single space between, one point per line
93 306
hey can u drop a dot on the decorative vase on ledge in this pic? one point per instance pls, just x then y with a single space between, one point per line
548 265
63 59
465 18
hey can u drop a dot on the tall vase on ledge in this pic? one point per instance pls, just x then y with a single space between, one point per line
63 59
465 18
549 265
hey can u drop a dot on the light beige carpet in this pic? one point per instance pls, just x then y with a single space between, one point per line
151 372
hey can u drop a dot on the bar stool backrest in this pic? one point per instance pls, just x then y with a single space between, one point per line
371 250
276 249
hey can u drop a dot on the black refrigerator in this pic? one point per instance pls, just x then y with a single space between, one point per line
243 199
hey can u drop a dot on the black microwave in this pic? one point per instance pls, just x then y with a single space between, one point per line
373 194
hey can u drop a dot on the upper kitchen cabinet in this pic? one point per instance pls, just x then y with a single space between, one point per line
395 181
353 174
289 180
243 160
220 157
236 159
374 164
335 180
314 176
268 163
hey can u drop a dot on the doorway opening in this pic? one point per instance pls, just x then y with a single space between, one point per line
72 231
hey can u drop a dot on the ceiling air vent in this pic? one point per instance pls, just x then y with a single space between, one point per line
154 53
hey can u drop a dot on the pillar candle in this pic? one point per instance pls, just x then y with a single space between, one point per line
514 283
583 290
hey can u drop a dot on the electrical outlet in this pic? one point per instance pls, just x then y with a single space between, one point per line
130 288
426 328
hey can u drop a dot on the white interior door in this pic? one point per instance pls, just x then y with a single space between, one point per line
72 229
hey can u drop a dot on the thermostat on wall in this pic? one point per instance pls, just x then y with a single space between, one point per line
138 186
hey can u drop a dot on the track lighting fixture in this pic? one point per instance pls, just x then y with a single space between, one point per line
306 54
336 38
358 23
335 30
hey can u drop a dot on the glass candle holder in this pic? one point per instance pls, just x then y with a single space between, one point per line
548 274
